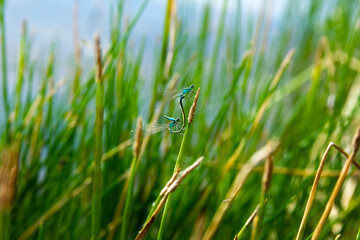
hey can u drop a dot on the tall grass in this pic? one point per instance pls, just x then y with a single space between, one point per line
4 64
279 85
99 121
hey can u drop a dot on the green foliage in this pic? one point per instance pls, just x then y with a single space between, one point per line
247 100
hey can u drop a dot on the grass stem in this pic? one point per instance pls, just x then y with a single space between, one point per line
177 163
339 183
96 195
130 190
315 184
4 65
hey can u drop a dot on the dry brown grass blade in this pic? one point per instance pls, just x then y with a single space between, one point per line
256 158
339 183
170 187
314 186
319 173
9 164
302 172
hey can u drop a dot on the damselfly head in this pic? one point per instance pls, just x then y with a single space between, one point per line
192 86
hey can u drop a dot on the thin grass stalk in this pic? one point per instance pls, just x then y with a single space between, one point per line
134 20
165 213
21 70
267 26
4 64
41 232
129 198
177 163
160 196
249 66
236 41
266 181
172 37
77 48
238 182
50 83
300 172
247 223
216 50
201 46
5 220
358 235
339 183
96 195
314 186
34 142
164 195
130 190
166 33
164 48
118 211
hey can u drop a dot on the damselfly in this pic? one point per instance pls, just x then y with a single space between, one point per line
171 95
175 125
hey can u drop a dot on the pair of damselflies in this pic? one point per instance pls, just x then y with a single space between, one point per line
175 125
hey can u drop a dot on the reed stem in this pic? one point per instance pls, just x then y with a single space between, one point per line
4 65
177 164
339 183
96 195
133 171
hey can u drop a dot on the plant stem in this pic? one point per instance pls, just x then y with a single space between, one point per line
5 224
314 187
339 183
129 199
164 216
41 232
4 64
20 79
248 222
96 195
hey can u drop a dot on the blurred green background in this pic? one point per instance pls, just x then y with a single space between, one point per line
269 71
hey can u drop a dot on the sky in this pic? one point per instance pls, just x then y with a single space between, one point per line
51 21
